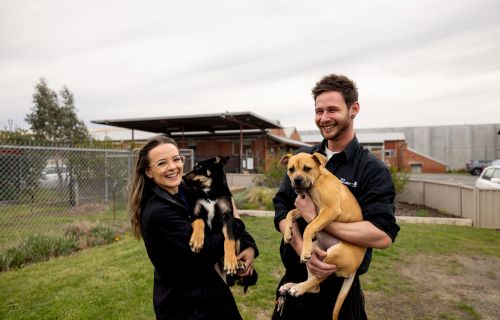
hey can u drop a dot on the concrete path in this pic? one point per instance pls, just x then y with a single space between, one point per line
399 219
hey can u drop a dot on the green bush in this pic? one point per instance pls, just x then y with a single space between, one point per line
101 234
256 198
400 179
35 248
90 234
271 178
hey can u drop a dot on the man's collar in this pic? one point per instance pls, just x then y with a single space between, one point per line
348 151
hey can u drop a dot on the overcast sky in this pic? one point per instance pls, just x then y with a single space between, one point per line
416 63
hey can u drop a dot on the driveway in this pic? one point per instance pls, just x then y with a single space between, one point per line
465 179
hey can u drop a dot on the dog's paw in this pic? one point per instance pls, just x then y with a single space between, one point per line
305 257
298 290
230 264
287 237
293 292
196 242
241 266
285 288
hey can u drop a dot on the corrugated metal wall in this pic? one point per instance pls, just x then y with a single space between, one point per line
480 205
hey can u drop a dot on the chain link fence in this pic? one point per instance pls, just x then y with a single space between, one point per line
43 189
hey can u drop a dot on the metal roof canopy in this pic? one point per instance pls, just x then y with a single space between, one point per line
195 123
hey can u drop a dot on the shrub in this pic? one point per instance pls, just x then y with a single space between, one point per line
259 198
36 248
101 234
400 179
77 236
271 178
90 234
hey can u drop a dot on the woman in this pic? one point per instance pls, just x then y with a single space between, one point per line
186 285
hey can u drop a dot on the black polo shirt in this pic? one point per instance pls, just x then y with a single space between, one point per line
366 177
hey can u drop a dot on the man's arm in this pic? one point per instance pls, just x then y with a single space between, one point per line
362 233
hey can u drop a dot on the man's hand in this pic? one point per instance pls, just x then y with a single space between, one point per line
316 265
306 207
236 214
247 257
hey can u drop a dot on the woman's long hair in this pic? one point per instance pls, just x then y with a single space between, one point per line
140 184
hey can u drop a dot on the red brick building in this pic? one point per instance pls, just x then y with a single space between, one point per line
392 149
397 154
251 141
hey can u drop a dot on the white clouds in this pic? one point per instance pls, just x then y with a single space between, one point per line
150 58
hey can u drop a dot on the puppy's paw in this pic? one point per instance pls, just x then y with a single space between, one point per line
298 289
304 257
285 288
241 266
198 235
230 264
287 237
196 242
292 292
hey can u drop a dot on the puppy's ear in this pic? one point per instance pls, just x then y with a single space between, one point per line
319 158
221 159
284 159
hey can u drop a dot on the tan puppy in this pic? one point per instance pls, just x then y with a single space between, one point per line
334 202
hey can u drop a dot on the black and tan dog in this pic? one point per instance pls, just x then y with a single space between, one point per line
334 202
213 207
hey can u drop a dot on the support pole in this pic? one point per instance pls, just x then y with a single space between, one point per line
241 148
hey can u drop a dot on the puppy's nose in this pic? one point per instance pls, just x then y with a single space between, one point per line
297 181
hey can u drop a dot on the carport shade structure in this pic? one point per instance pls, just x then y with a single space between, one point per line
209 123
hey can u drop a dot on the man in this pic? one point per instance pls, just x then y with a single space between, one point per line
336 107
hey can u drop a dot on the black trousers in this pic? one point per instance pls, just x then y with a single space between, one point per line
319 306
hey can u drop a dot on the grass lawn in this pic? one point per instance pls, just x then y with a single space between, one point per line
115 281
17 222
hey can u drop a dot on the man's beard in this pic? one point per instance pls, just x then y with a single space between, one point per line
339 129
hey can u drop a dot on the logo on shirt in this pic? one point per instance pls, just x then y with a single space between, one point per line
349 183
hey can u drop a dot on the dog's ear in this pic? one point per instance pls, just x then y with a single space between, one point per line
221 159
284 159
319 158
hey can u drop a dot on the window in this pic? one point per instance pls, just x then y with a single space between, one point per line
389 153
496 174
488 174
416 167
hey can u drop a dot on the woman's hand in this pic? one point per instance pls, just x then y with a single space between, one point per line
306 207
316 265
247 257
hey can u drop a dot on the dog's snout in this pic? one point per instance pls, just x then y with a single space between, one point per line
298 180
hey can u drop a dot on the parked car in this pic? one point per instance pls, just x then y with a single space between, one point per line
50 179
495 162
489 178
475 167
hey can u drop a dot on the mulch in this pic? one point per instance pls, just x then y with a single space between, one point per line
415 210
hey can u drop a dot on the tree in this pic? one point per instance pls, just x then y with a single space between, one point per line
54 118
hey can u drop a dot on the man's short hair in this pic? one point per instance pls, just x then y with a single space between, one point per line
339 83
